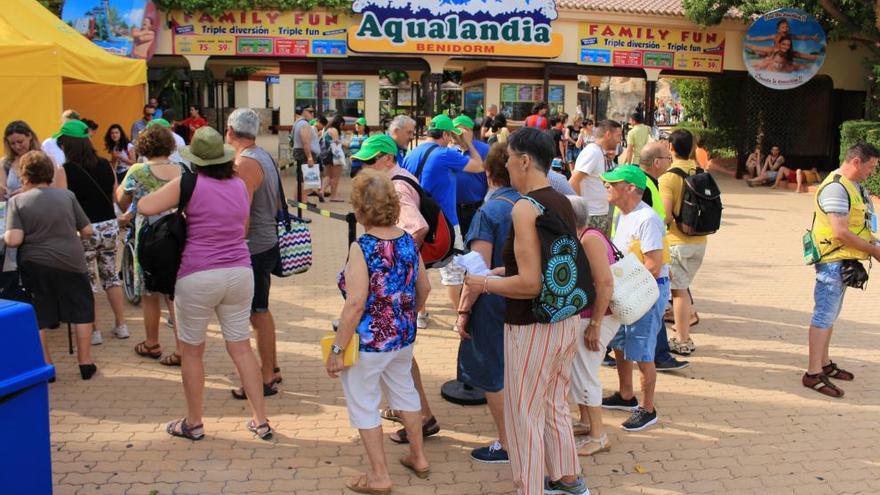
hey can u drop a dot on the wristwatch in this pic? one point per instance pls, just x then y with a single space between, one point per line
335 349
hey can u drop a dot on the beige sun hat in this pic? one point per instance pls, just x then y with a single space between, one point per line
207 148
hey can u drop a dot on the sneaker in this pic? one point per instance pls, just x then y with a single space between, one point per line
493 454
640 420
617 402
678 347
609 361
691 347
97 339
560 488
422 319
672 365
169 322
121 332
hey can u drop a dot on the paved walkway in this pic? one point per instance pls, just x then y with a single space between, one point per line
736 421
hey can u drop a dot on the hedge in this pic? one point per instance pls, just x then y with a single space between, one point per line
713 137
853 131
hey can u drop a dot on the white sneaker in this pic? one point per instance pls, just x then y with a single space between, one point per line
121 332
97 339
422 320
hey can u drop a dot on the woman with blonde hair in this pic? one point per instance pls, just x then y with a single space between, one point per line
383 283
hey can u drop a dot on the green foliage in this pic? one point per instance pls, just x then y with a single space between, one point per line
873 182
722 153
713 138
694 95
721 109
853 131
52 5
215 6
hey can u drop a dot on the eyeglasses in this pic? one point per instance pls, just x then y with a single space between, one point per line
372 161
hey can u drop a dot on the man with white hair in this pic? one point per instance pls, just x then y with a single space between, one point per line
258 171
402 130
50 146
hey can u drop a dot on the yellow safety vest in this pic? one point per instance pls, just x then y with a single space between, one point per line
859 223
656 204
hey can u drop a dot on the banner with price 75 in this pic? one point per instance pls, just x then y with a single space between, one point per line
630 45
260 33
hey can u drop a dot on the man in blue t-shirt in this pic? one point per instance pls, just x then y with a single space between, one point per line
470 188
437 175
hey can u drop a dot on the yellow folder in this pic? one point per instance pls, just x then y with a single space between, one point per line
349 356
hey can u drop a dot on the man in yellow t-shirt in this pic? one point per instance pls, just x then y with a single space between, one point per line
636 139
685 251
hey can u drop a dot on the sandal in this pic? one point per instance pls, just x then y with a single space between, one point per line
592 446
579 429
390 415
421 473
269 389
142 349
179 428
263 431
832 371
361 485
172 359
820 383
429 428
678 347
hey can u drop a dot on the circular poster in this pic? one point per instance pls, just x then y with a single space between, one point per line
784 48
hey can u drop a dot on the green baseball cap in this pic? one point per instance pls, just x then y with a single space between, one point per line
443 123
374 145
161 122
463 121
627 173
313 121
73 128
361 121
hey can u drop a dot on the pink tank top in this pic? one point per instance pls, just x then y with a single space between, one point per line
215 224
587 313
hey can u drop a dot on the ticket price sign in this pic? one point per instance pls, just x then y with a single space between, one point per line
629 45
260 33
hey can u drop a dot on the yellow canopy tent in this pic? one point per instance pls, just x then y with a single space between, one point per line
48 66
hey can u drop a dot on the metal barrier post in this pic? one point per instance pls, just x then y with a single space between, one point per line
299 187
352 227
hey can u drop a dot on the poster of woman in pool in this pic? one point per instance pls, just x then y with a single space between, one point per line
122 27
784 48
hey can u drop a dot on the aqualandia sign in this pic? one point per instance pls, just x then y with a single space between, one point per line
505 28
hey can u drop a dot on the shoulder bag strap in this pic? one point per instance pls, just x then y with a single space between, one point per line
98 186
415 185
535 203
505 199
187 187
424 160
617 254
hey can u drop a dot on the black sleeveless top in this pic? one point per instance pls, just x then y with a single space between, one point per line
93 189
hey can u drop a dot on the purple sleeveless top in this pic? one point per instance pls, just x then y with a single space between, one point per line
215 224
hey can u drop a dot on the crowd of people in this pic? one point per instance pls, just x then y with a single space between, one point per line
497 188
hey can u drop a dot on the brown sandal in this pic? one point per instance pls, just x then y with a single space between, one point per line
429 428
820 383
421 473
390 415
171 360
361 485
832 371
142 349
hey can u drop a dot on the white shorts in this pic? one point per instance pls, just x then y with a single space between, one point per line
226 292
586 388
392 371
453 274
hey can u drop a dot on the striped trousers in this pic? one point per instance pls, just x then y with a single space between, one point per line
537 371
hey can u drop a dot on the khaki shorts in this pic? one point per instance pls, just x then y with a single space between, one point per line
226 292
686 261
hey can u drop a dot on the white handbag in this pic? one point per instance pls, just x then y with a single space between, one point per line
311 176
635 289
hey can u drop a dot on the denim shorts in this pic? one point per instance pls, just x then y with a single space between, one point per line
828 294
639 340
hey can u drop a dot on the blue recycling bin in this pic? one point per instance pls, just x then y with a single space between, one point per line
25 451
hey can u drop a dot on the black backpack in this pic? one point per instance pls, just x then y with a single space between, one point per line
700 212
160 243
566 280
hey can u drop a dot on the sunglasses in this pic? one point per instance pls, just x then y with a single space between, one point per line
372 161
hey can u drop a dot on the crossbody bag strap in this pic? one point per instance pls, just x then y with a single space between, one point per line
424 160
617 254
187 187
97 186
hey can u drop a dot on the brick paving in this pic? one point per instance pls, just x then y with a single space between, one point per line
736 421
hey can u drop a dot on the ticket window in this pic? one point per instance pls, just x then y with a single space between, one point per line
517 100
344 98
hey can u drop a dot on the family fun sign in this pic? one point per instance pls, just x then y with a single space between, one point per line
506 28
